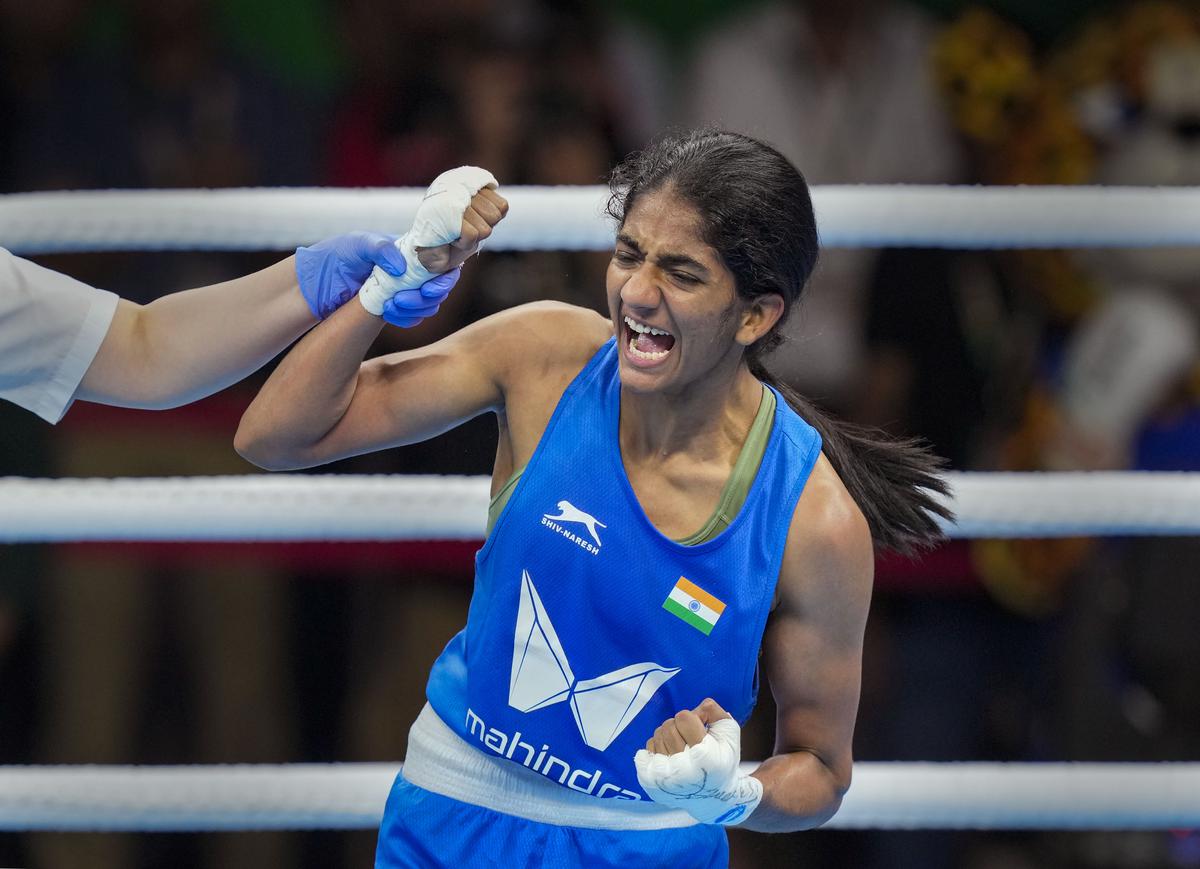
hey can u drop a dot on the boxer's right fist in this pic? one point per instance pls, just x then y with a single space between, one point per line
487 208
458 212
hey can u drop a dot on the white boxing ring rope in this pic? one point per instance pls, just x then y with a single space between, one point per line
994 796
345 796
348 507
571 218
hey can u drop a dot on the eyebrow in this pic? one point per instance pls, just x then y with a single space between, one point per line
666 260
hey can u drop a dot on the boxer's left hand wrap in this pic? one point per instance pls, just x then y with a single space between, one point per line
438 222
704 779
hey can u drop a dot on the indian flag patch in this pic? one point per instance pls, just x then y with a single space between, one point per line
694 605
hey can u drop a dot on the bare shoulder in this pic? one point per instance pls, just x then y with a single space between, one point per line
829 561
536 350
540 338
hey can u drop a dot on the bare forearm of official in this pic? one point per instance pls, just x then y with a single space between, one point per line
799 792
186 345
309 392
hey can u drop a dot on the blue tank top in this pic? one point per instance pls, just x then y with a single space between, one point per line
588 627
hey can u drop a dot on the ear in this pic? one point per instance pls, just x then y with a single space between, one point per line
759 317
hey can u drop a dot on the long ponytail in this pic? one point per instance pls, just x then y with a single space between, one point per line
894 481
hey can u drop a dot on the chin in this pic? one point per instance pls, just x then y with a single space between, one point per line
637 380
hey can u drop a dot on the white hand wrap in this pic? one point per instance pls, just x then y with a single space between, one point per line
703 779
438 222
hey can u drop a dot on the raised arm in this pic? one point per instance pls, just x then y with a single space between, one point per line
323 402
812 655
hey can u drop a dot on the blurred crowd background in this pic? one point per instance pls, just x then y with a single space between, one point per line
1019 360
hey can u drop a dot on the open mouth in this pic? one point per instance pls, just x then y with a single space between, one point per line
647 343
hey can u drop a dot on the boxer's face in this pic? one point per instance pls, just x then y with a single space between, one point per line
672 299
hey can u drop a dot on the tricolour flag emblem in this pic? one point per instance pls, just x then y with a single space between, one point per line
694 605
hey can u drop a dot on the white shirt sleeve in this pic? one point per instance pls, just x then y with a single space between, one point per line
51 327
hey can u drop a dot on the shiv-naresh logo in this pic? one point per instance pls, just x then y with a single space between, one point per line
541 676
568 512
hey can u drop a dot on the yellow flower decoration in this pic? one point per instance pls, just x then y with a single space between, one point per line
985 69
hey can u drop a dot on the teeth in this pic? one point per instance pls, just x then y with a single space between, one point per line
643 328
640 354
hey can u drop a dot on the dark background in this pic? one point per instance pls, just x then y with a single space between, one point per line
989 650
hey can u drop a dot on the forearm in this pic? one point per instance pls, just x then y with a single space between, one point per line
186 345
799 792
308 393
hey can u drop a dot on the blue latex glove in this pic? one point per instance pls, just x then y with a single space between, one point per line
410 307
330 273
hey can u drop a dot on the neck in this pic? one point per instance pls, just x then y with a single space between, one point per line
701 423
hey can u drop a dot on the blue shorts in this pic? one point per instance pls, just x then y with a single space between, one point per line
424 829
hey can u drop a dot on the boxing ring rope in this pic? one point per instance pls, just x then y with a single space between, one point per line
571 218
348 507
346 796
981 796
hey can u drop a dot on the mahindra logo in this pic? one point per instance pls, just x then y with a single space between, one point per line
542 676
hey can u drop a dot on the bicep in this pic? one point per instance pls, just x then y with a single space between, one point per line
814 670
813 645
411 396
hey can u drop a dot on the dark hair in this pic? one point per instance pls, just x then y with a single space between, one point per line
756 212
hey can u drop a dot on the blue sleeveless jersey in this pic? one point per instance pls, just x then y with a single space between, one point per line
588 628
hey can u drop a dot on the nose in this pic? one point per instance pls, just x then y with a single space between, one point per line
641 290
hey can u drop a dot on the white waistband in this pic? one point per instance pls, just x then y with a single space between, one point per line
438 760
